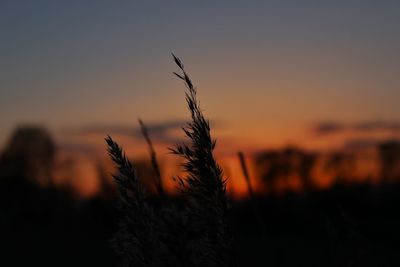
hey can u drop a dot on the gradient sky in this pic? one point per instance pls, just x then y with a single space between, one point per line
266 70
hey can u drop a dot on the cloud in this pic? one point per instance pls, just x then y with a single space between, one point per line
378 125
325 128
161 132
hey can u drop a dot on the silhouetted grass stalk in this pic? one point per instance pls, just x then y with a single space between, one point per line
137 233
253 198
246 174
204 184
196 235
153 158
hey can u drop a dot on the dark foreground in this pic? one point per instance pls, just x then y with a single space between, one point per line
345 226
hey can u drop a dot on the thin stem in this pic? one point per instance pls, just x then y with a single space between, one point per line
154 161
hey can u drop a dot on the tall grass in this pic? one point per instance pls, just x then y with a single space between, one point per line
153 159
137 237
255 205
193 235
204 185
246 175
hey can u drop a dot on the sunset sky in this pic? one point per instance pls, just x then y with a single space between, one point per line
303 102
269 73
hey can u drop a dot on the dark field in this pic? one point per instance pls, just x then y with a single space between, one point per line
345 226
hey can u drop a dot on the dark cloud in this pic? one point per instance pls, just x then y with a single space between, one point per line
103 129
161 131
158 131
324 128
378 125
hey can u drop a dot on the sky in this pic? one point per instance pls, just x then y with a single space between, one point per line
269 73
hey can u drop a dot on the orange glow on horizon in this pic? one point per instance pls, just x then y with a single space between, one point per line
365 169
